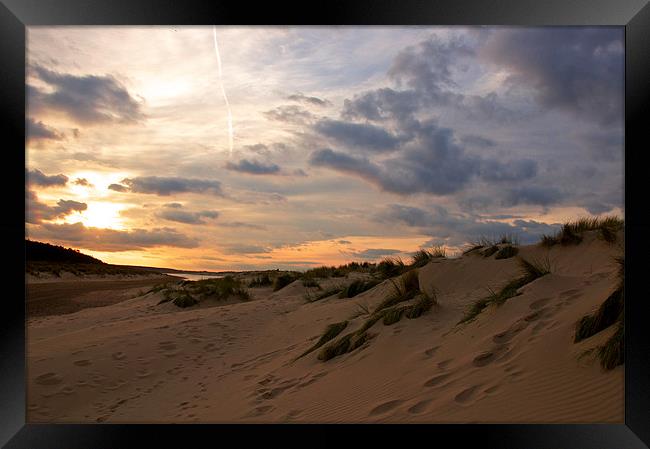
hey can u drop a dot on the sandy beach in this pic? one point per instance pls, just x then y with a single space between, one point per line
140 361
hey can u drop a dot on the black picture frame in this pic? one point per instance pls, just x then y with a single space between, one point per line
634 15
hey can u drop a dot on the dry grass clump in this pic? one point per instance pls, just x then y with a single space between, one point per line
335 290
357 287
260 281
283 280
406 289
610 312
390 267
530 270
572 232
506 252
332 331
424 256
189 293
491 245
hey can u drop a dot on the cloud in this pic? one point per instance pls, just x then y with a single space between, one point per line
240 224
82 182
237 248
290 114
118 188
344 242
39 131
381 104
518 170
165 186
374 253
88 99
357 135
542 196
459 229
37 212
38 178
577 69
100 239
477 141
309 100
182 216
253 167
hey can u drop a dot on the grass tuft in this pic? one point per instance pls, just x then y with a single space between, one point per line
390 267
572 232
506 252
282 281
424 256
530 270
612 353
357 287
331 332
260 281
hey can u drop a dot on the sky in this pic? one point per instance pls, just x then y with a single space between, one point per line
217 148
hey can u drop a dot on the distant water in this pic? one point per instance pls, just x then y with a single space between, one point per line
195 277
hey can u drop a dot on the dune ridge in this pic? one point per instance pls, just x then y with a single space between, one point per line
239 361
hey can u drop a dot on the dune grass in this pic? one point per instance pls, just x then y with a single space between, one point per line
506 252
610 312
357 287
311 283
283 280
390 267
331 332
404 289
612 353
490 245
424 256
189 293
335 290
407 288
572 232
530 270
260 281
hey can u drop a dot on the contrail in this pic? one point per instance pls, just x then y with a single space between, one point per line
223 91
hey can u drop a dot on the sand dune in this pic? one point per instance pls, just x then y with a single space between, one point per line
140 361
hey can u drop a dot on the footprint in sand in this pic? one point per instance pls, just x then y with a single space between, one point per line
49 379
507 335
492 389
466 395
385 407
436 380
419 407
488 357
429 352
259 411
539 303
535 315
81 362
445 363
118 356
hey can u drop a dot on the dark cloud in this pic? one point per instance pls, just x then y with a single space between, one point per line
477 141
534 195
36 211
290 114
518 170
309 100
39 131
82 182
118 188
187 217
173 205
88 99
253 167
578 69
165 186
345 242
38 178
357 135
381 104
459 229
604 146
374 253
100 239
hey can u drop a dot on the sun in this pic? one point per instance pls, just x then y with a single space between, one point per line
100 214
